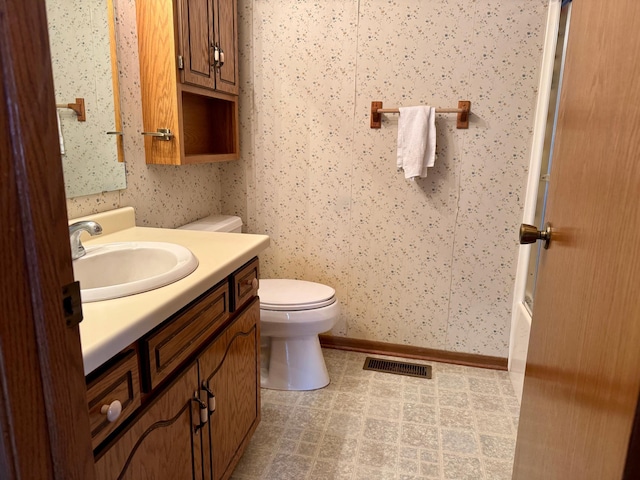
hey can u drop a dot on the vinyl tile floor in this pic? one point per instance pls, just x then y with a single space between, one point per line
365 425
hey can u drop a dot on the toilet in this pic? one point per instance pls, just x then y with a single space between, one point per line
292 314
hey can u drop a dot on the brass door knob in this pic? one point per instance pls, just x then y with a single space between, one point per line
531 234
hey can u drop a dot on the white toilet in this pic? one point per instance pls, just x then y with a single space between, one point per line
292 314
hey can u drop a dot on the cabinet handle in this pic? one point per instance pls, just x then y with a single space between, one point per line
253 283
112 411
211 399
221 63
204 414
162 134
215 55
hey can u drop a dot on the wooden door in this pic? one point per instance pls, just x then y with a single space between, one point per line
583 370
196 22
162 443
230 368
43 413
226 31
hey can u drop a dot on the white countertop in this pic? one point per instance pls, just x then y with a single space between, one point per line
111 325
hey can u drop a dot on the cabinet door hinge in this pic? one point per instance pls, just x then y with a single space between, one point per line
72 304
180 62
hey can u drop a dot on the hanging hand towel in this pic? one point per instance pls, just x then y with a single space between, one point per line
60 137
416 140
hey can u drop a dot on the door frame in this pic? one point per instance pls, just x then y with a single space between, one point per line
43 413
520 315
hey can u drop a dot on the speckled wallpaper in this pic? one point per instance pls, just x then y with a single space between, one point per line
428 263
163 196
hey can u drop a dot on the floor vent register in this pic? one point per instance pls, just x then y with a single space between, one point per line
398 368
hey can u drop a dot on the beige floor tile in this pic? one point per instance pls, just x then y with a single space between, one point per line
461 468
456 418
459 441
374 426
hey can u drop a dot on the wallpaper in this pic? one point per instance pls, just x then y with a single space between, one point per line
429 263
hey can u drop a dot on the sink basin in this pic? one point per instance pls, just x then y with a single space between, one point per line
116 270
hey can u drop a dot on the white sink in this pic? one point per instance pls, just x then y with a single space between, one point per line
116 270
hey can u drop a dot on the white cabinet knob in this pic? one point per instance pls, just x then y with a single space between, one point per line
254 283
112 411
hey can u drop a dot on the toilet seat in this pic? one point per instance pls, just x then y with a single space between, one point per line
284 295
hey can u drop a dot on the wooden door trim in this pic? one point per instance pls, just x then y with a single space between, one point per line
411 351
44 415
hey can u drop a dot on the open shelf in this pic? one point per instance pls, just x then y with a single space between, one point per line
209 128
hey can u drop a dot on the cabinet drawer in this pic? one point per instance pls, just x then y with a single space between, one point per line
244 284
119 382
165 349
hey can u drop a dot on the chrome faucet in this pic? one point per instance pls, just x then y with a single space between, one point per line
75 230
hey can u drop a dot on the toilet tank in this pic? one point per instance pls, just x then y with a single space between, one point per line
216 223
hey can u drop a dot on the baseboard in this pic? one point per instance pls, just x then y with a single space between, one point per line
410 351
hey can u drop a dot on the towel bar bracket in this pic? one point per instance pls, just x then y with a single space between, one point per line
77 107
376 117
463 117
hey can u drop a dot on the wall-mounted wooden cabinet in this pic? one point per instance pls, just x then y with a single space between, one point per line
189 80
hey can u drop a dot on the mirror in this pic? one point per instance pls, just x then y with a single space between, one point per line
83 55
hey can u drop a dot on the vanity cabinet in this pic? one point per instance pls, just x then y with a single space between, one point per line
200 376
189 80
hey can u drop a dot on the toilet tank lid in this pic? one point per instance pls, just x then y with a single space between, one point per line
215 223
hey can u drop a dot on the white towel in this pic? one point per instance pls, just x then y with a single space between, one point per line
60 137
416 140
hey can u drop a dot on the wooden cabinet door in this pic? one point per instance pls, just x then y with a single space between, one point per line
230 368
226 36
162 442
195 22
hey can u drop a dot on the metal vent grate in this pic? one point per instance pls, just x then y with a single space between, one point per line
399 368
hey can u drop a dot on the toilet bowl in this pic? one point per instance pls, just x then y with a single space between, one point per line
292 314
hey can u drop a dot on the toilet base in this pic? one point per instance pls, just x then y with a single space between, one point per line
294 363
